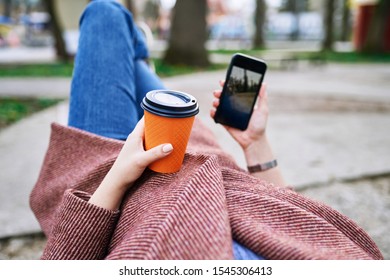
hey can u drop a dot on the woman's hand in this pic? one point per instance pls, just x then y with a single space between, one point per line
128 167
253 140
133 159
257 124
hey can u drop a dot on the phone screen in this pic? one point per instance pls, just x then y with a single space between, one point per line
239 96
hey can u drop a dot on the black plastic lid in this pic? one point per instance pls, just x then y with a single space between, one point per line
170 103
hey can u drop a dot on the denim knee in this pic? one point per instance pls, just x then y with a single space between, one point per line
106 12
111 15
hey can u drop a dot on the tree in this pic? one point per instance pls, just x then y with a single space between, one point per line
131 7
7 8
295 7
151 13
188 34
376 37
57 31
327 43
260 14
345 24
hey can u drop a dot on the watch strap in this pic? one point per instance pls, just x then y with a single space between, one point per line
262 166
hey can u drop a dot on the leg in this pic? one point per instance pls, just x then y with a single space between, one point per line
145 81
104 96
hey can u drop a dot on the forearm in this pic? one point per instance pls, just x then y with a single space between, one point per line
127 168
110 192
260 152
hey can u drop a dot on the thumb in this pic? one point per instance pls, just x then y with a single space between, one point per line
156 153
262 101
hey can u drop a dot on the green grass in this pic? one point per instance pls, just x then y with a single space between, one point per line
59 69
37 70
14 109
345 57
164 70
341 57
65 69
232 51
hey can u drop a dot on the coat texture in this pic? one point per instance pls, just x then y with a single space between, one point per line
192 214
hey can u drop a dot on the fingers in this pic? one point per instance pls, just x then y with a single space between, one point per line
217 94
156 153
263 90
134 146
262 101
215 104
263 98
212 112
139 129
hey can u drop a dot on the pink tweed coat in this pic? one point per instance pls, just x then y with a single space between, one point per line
191 214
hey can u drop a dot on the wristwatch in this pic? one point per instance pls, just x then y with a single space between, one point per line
263 166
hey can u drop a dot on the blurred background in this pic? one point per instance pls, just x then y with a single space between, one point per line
322 25
328 82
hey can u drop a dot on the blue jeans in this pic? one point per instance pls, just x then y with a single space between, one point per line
111 77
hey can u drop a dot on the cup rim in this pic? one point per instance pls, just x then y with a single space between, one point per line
155 106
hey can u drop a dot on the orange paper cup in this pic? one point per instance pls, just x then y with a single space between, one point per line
160 130
169 116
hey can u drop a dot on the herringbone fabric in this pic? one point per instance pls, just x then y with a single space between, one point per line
191 214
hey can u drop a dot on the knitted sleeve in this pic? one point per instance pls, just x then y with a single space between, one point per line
82 230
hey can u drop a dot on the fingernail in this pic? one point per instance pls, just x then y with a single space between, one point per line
167 148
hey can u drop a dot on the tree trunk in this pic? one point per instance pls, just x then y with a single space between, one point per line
293 6
346 24
327 43
260 14
57 30
188 34
131 7
7 8
376 38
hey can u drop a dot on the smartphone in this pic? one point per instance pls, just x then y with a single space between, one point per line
242 84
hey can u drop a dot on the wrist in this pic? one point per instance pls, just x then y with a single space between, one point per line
115 181
261 167
110 192
258 151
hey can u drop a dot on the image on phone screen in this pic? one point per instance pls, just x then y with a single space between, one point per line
239 97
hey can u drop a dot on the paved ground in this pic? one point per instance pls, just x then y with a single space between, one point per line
329 129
